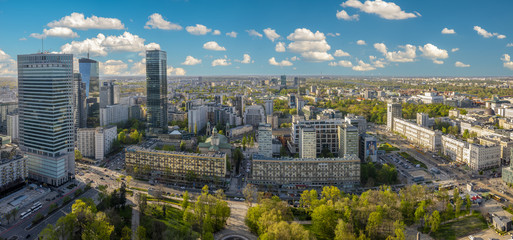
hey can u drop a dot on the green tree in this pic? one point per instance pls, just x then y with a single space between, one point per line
284 230
185 200
324 221
468 204
126 233
434 221
250 193
182 145
374 223
343 231
78 155
457 206
141 233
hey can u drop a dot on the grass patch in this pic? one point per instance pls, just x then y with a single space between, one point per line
140 189
387 147
165 200
173 220
412 159
461 227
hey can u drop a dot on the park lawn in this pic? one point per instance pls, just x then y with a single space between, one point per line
462 227
387 147
173 220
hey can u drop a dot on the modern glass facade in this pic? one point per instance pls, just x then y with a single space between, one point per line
46 124
90 71
156 85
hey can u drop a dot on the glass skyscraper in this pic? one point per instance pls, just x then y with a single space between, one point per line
90 71
156 85
46 129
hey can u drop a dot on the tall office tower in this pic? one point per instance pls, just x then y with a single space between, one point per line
45 93
423 119
109 94
239 105
156 85
283 80
348 140
12 126
79 101
394 110
307 143
218 99
90 71
292 100
296 81
269 105
265 142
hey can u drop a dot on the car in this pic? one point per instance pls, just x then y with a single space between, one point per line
236 198
28 236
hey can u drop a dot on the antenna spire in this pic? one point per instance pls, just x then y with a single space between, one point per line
42 45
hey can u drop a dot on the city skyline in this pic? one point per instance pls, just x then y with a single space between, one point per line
351 37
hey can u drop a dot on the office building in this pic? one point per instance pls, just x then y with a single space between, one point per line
431 98
269 104
45 81
394 110
358 121
423 119
348 140
239 105
79 101
109 94
113 114
254 115
307 143
283 80
326 134
6 108
368 148
424 138
265 143
292 100
90 71
156 85
13 126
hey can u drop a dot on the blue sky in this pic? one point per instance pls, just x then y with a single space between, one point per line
402 38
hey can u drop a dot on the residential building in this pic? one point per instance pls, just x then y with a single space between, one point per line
358 121
197 119
239 105
112 114
326 134
265 143
254 115
239 131
348 140
423 119
156 86
484 157
90 72
507 172
45 81
273 121
454 148
422 137
394 110
96 143
6 108
13 171
307 143
368 148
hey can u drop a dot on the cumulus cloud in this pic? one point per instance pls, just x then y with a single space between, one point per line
198 29
408 55
343 15
245 59
216 32
254 33
78 21
507 63
62 32
190 61
361 42
362 66
283 63
101 45
175 71
214 46
271 34
333 34
386 10
156 21
232 34
434 53
340 53
221 62
295 58
312 46
481 31
7 64
114 67
342 63
280 47
448 31
507 45
455 49
461 65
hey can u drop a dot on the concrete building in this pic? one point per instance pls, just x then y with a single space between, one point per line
307 143
254 115
109 94
454 148
265 143
79 101
422 137
156 86
292 100
269 104
96 143
112 114
368 148
13 171
507 172
6 108
175 167
326 132
308 172
239 131
283 80
273 121
238 103
13 126
358 121
423 119
394 110
431 98
348 140
483 157
45 81
197 118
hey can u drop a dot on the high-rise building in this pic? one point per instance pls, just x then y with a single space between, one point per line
45 93
90 71
269 105
265 143
394 110
239 105
254 115
112 114
368 148
109 94
156 85
292 100
79 101
95 143
283 80
423 119
218 99
307 143
12 126
348 140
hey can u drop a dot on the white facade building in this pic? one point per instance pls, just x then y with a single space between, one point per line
112 114
197 118
307 143
394 110
12 126
96 142
265 143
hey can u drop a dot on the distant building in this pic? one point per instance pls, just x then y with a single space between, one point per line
112 114
239 131
269 104
90 71
109 94
239 105
218 99
254 115
265 140
292 100
358 121
79 101
273 121
307 143
197 119
283 80
431 98
12 126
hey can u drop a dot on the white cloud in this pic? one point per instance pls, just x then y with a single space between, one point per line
221 62
386 10
294 58
254 33
342 63
8 65
156 21
280 47
78 21
361 42
461 65
216 32
343 15
379 63
113 67
198 29
340 53
408 55
317 56
175 71
434 53
507 61
283 63
214 46
448 31
304 34
23 39
455 49
232 34
362 66
62 32
271 34
246 59
507 45
481 31
333 34
312 46
190 61
101 45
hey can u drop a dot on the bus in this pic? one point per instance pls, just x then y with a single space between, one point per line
25 214
497 197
